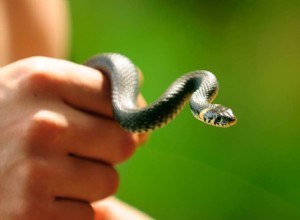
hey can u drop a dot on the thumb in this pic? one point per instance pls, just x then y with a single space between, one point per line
113 209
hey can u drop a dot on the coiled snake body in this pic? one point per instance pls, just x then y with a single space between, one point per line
200 87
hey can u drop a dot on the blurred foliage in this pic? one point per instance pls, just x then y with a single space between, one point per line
189 170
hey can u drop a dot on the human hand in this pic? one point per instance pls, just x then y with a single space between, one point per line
58 141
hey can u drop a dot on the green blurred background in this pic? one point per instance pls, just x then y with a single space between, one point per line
189 170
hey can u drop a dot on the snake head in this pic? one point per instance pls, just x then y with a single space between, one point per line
218 115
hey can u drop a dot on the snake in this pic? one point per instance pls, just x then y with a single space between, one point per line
199 87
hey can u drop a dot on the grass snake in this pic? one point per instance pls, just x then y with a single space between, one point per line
200 87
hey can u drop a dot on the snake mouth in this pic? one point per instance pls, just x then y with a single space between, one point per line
229 122
218 116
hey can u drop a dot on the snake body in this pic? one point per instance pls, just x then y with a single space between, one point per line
201 87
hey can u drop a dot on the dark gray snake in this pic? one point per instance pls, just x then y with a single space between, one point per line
201 87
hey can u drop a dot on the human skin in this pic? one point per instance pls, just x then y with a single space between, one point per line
30 27
58 142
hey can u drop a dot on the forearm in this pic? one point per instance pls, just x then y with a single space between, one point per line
34 28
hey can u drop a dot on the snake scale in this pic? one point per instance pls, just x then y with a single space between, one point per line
200 87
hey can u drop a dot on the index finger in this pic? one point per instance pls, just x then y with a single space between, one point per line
77 85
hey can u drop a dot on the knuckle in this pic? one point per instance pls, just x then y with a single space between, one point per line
24 199
46 126
38 74
36 81
35 60
25 211
32 170
31 208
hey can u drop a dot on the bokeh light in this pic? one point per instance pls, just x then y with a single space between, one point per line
189 170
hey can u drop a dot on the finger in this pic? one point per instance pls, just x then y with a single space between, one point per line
81 179
143 137
112 208
44 180
66 130
98 138
101 139
140 76
71 209
79 86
